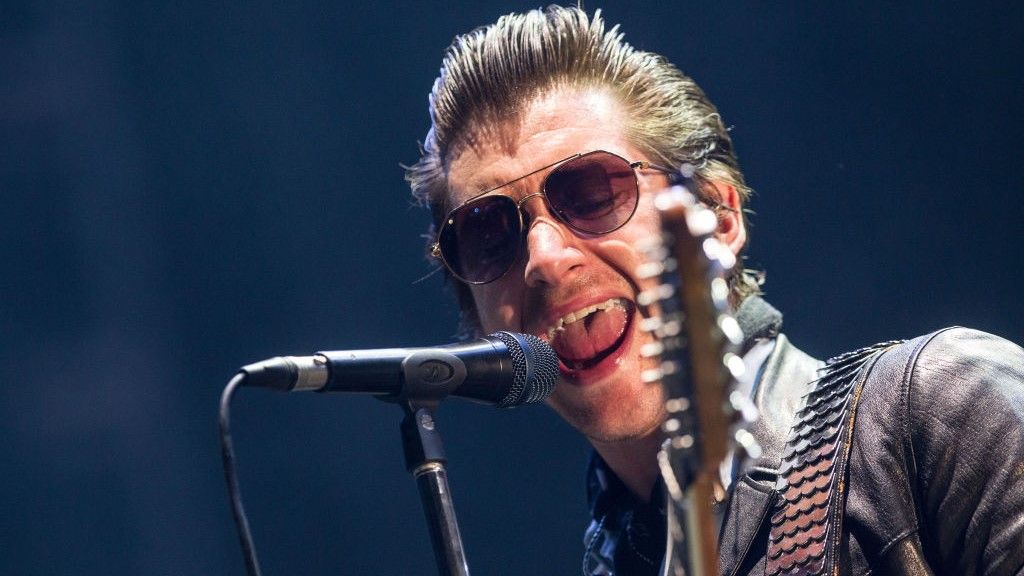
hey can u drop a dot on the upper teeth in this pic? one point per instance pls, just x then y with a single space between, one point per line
583 313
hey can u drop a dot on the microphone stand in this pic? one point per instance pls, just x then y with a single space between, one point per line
425 459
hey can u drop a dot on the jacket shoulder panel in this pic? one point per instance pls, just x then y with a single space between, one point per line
966 405
938 454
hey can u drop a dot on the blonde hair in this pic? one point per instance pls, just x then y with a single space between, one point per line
493 73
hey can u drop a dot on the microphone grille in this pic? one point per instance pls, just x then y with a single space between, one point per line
534 369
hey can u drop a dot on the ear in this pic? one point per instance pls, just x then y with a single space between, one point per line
732 230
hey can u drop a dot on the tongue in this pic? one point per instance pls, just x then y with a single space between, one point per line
587 338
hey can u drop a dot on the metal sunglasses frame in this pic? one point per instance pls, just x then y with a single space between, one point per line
435 249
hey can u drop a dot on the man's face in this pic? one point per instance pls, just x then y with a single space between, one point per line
576 291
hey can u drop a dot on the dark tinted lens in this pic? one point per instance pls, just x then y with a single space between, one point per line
595 193
480 240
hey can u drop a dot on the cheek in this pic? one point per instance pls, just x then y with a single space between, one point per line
622 248
494 305
645 223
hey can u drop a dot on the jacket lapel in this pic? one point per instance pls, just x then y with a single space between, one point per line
778 394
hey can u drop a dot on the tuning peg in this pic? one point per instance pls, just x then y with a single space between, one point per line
651 324
734 364
671 425
663 329
649 270
731 329
652 349
651 376
747 446
653 248
720 293
649 242
743 407
682 442
712 248
673 405
715 251
726 258
671 328
674 197
659 292
701 221
668 368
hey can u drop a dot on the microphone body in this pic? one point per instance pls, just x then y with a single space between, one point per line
505 368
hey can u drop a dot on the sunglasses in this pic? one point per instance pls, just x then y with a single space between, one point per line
592 193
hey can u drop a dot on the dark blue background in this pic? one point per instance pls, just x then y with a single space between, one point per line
186 187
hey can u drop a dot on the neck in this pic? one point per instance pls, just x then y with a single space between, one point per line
634 461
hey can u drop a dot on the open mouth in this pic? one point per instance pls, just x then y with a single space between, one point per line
584 338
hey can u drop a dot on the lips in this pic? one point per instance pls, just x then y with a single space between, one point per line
584 338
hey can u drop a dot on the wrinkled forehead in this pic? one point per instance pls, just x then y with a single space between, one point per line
495 149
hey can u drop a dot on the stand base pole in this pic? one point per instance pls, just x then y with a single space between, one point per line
432 481
424 458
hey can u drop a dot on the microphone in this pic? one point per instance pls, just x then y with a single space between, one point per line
505 368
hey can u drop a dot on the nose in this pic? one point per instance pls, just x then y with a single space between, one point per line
552 249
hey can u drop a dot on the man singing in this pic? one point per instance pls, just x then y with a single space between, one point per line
549 137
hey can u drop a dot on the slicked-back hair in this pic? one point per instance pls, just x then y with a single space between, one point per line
491 75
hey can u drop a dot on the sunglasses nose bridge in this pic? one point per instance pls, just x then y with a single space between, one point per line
526 217
523 200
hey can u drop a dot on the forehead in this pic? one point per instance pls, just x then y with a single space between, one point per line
552 127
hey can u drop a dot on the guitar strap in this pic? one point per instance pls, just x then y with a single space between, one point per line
806 524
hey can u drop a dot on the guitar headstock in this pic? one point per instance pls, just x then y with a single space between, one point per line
697 341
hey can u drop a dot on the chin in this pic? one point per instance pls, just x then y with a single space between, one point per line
616 415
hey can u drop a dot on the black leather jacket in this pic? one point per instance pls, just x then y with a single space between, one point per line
936 467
